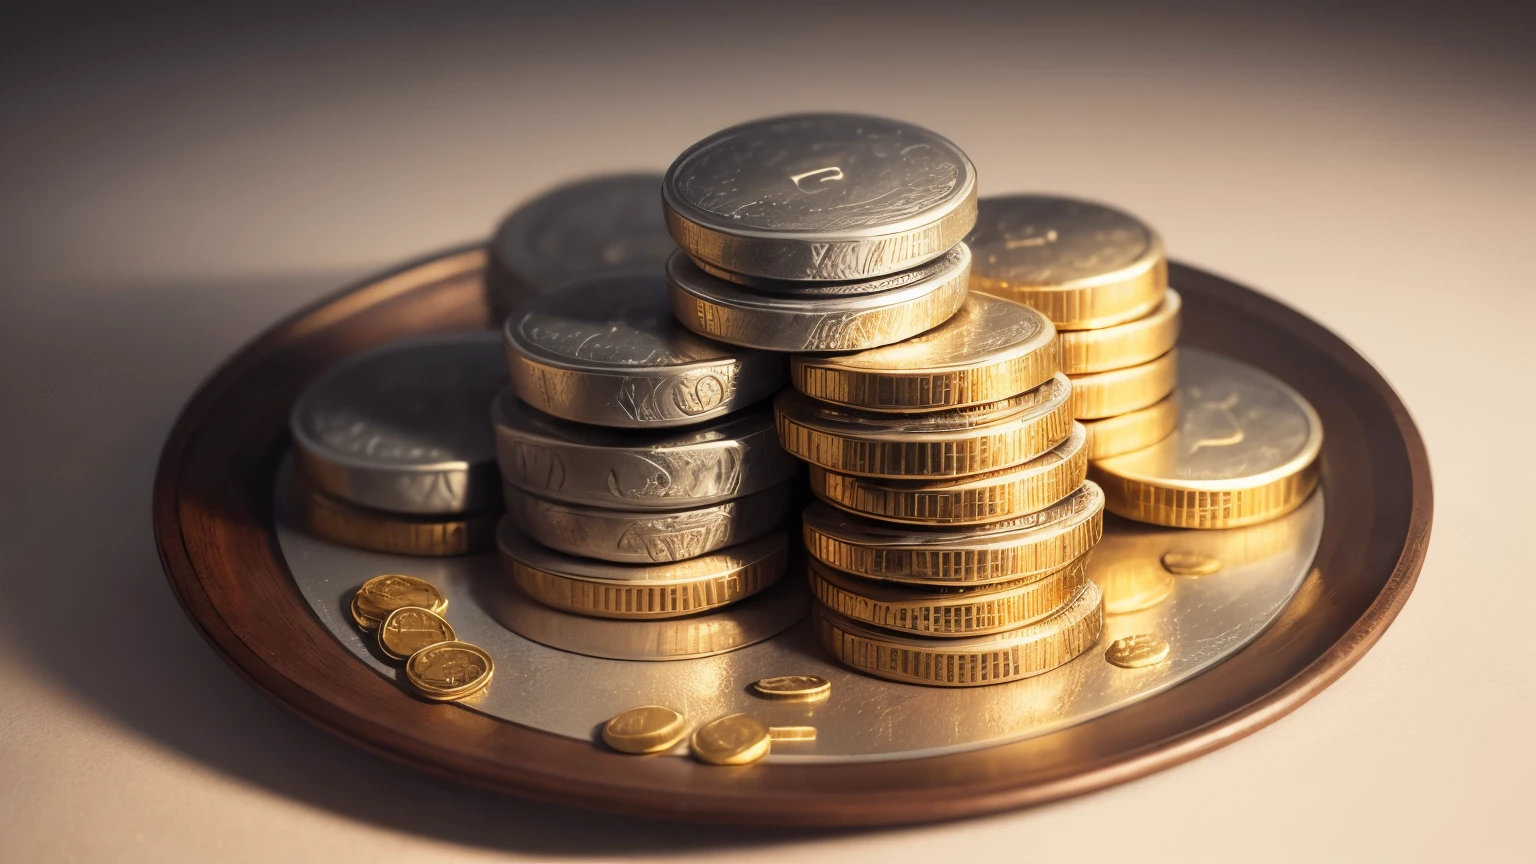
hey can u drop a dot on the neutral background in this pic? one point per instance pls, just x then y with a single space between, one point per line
171 184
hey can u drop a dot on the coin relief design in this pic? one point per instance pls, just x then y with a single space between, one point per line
382 595
450 670
1138 651
410 629
735 739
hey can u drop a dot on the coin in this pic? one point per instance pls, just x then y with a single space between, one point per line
792 734
410 629
735 739
1146 338
1082 264
1133 430
822 197
1189 563
449 671
402 428
648 536
841 316
990 350
647 729
596 226
1106 394
948 443
604 590
991 497
969 662
638 470
339 522
608 352
1134 652
1021 548
382 595
948 612
794 688
1245 451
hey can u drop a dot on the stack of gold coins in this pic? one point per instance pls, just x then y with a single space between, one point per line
1100 275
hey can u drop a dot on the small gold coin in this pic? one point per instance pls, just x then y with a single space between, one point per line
1134 342
449 671
647 729
412 628
735 739
382 595
791 734
1132 430
1190 563
1135 652
797 688
1105 394
393 534
990 350
366 623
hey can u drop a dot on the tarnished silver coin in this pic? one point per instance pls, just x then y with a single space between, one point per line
403 428
608 352
823 197
831 316
638 470
597 226
647 537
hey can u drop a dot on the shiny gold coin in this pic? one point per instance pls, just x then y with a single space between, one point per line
1190 563
791 734
1133 430
366 623
1082 264
648 729
735 739
393 534
795 688
1135 652
947 612
1021 548
449 671
990 350
971 500
946 443
382 595
1129 344
1105 394
412 628
1245 451
970 662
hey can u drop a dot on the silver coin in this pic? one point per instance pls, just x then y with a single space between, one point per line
404 428
823 197
769 552
592 227
832 316
647 537
627 470
608 352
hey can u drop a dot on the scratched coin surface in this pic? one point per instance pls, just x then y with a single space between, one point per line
793 687
821 197
609 352
382 595
1245 451
595 226
449 671
839 316
412 628
402 428
623 469
735 739
1082 264
647 729
1136 652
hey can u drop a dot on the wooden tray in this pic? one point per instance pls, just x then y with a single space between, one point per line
214 525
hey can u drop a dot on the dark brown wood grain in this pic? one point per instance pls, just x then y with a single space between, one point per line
213 524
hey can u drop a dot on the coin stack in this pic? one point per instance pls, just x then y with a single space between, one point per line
1100 275
954 512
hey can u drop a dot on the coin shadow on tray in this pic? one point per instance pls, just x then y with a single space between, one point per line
96 618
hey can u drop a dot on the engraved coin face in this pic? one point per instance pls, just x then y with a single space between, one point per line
647 729
735 739
382 595
410 629
1043 241
1135 652
795 687
623 321
451 670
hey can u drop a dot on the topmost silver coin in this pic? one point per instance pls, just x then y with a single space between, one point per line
820 197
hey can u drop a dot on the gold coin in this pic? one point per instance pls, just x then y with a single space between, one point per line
1134 342
1245 451
1105 394
412 628
1190 563
948 612
969 662
975 499
735 739
382 595
947 443
991 349
791 734
1133 430
393 534
449 671
587 586
647 729
1021 548
796 688
1082 264
366 623
1135 652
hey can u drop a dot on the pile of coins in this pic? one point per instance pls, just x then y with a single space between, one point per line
406 616
735 739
